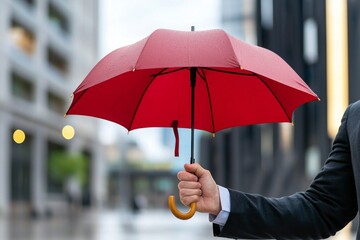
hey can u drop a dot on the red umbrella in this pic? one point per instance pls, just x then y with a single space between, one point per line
205 80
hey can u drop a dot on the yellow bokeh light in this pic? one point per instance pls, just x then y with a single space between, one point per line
19 136
68 132
337 69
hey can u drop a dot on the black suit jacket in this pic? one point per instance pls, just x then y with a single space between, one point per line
326 207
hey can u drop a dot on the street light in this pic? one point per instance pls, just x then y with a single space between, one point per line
19 136
336 63
68 132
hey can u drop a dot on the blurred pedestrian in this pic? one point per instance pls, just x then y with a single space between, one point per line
73 193
328 205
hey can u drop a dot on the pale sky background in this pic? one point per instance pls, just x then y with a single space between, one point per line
126 22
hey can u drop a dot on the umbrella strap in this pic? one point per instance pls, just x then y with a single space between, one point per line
176 134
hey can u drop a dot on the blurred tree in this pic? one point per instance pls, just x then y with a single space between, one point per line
64 165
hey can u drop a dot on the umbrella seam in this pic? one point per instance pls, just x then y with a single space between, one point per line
142 50
279 102
232 49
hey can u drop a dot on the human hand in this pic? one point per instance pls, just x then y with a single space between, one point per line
197 185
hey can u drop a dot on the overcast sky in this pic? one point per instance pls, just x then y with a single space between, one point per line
125 22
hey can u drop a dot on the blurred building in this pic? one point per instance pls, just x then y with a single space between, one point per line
279 159
136 183
168 141
237 18
46 49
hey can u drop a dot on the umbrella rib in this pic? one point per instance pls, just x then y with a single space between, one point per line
75 101
142 96
279 102
203 76
229 72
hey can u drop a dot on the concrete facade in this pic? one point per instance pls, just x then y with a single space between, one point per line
46 49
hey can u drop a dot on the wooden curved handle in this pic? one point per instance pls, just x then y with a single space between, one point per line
177 213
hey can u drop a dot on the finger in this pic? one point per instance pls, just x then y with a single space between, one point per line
190 192
186 176
189 199
196 169
189 185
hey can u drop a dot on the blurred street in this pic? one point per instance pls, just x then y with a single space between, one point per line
115 224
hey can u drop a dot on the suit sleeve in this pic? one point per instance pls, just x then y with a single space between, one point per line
319 212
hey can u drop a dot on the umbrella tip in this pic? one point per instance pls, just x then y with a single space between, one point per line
213 135
65 115
318 99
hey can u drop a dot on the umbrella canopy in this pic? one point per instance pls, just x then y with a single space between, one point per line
147 84
205 80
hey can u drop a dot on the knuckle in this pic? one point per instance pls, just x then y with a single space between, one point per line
189 200
182 192
181 185
185 201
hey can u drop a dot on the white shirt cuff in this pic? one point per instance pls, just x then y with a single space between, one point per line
223 215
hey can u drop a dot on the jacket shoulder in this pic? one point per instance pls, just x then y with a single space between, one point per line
356 104
353 116
354 107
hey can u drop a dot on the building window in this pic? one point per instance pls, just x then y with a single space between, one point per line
56 103
58 20
22 87
57 62
29 2
22 38
21 170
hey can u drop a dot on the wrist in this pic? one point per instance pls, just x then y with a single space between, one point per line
217 203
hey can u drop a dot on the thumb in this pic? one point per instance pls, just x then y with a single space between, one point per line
196 169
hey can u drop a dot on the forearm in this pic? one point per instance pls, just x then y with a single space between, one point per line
260 217
313 214
326 207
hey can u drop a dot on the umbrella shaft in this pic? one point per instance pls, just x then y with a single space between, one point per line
193 84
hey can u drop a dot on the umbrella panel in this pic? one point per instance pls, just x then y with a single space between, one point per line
157 97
